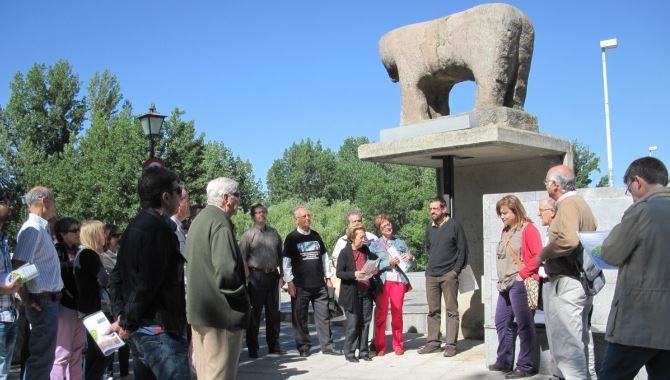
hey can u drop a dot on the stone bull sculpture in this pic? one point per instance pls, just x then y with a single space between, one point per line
491 44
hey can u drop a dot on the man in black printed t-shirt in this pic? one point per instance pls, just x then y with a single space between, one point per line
307 274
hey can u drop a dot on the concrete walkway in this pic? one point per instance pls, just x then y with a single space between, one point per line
468 364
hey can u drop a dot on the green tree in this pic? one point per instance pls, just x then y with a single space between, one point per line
219 161
183 152
97 178
104 94
306 171
584 163
351 172
44 109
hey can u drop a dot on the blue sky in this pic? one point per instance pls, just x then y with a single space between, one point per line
260 75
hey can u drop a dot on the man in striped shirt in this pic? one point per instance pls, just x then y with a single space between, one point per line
42 294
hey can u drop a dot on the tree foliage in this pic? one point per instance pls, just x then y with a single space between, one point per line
44 110
305 171
104 94
585 162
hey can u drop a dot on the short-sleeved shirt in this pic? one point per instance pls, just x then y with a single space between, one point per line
34 245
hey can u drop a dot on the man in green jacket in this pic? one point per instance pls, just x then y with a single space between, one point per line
217 298
637 332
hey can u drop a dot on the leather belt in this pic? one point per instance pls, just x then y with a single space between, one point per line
54 296
266 271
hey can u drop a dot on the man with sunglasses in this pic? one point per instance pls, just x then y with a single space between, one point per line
8 312
147 283
42 294
636 332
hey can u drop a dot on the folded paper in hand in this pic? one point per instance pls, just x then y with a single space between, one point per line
97 325
24 273
369 267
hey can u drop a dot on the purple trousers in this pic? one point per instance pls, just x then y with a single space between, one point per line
513 304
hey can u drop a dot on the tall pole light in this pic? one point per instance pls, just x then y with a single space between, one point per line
652 149
604 45
151 125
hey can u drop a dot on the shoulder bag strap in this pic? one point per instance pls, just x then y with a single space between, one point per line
514 255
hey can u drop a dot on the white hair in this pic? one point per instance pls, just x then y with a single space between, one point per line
216 188
35 194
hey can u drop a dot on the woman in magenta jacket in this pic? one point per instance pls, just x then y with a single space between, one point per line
517 251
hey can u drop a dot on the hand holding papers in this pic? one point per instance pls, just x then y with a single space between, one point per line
97 324
402 264
24 273
593 244
369 268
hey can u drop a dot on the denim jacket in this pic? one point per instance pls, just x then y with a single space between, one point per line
378 247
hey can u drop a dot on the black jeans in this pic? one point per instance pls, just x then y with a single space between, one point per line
264 293
357 328
300 305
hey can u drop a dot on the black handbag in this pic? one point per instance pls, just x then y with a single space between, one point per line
334 309
376 285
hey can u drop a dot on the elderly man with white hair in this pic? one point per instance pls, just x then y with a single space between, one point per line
42 294
217 298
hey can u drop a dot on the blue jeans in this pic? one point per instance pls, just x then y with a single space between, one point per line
8 332
165 355
623 362
43 332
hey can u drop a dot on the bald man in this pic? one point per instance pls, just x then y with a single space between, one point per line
566 305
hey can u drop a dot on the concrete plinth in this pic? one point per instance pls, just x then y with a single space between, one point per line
492 156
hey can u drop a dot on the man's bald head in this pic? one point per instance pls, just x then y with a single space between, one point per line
559 180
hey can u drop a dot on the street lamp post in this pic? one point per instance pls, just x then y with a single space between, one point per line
652 149
604 45
151 125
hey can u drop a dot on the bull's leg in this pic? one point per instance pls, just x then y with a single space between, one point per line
414 103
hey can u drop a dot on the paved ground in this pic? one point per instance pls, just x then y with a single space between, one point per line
468 364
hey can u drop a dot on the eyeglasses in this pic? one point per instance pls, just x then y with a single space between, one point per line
303 216
628 186
235 194
546 209
177 190
6 202
115 235
356 221
258 212
547 182
74 231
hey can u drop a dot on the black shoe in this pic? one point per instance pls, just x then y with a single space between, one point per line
518 375
332 352
352 359
304 354
367 358
277 351
495 367
429 349
253 354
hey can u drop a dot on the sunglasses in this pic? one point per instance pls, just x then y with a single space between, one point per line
236 194
74 230
6 202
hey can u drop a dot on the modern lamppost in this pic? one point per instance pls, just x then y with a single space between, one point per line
652 149
151 125
604 45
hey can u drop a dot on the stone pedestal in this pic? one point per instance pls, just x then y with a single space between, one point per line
496 150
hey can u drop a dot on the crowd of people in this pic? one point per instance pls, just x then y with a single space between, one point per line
183 298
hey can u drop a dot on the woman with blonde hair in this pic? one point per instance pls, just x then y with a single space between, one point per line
91 279
517 251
